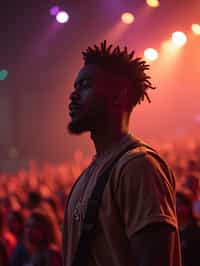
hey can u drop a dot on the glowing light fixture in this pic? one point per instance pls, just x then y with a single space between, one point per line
62 17
151 54
153 3
196 29
3 74
54 10
179 38
127 18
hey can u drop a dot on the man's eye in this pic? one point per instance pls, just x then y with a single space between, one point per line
85 83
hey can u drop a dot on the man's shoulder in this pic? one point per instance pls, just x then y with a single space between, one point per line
143 160
139 155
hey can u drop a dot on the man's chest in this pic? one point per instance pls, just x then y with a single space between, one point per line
77 203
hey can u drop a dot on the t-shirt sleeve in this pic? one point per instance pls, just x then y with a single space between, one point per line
145 193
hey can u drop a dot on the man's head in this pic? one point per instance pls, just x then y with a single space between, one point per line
110 83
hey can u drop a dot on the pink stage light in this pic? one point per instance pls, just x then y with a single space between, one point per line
62 17
127 18
54 10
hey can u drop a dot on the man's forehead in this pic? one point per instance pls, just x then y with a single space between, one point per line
98 74
90 72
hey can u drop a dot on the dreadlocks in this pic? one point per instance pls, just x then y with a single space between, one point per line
121 62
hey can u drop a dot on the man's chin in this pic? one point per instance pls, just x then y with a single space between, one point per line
76 128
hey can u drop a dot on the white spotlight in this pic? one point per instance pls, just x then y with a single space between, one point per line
151 54
62 17
179 38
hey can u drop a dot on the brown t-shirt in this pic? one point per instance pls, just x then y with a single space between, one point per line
139 191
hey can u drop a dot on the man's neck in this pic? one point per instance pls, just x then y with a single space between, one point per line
107 138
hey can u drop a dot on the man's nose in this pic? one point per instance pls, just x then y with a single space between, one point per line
74 96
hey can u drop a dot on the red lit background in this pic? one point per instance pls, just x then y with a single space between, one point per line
42 58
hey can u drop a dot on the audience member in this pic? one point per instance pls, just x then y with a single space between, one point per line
42 242
189 231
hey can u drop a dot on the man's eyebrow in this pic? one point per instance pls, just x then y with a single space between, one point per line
80 81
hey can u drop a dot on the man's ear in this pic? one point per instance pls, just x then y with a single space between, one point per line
121 97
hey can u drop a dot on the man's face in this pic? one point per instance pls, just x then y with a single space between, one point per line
88 100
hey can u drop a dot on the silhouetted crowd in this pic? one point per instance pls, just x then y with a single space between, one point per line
32 205
184 158
31 212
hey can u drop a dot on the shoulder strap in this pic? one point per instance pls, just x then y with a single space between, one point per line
89 225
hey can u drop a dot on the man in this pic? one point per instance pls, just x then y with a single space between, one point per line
136 222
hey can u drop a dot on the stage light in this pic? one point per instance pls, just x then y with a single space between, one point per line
196 29
127 18
54 10
3 74
151 54
153 3
62 17
179 38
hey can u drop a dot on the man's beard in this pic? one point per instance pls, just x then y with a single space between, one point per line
84 124
76 127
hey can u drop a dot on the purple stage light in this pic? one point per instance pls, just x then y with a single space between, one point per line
62 17
54 10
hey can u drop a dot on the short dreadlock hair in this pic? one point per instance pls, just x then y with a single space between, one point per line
121 62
